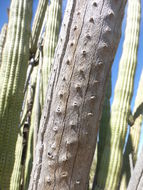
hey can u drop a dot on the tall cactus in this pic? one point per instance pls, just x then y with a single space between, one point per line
37 24
51 38
2 40
133 140
112 157
12 76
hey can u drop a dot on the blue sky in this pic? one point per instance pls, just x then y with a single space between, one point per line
4 4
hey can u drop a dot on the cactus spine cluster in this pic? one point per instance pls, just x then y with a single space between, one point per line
133 139
112 157
12 76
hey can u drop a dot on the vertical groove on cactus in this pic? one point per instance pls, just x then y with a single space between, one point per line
2 40
37 24
103 127
51 39
111 161
12 76
133 139
29 154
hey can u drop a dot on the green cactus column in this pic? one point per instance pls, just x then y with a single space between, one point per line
111 162
2 40
12 77
133 139
37 24
50 42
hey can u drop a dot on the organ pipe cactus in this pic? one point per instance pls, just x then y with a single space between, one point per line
112 157
133 139
2 40
50 42
37 24
12 77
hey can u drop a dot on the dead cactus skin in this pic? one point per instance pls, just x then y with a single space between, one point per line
69 124
112 158
12 76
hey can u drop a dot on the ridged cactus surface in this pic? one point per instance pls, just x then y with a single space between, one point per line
112 157
37 24
2 40
12 77
51 39
133 139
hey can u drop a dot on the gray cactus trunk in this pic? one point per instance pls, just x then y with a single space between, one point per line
86 48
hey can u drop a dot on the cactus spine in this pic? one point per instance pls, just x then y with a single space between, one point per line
111 161
37 23
51 38
12 76
133 139
2 40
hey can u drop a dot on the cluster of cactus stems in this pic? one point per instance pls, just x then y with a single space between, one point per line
2 40
19 174
13 71
133 139
17 144
109 169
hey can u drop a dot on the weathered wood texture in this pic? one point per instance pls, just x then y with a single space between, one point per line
136 180
86 48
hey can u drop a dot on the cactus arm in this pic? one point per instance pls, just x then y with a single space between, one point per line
37 23
51 38
12 76
133 139
2 40
111 162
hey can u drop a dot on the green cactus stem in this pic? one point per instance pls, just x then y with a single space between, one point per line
111 162
2 40
51 38
37 24
12 76
133 139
